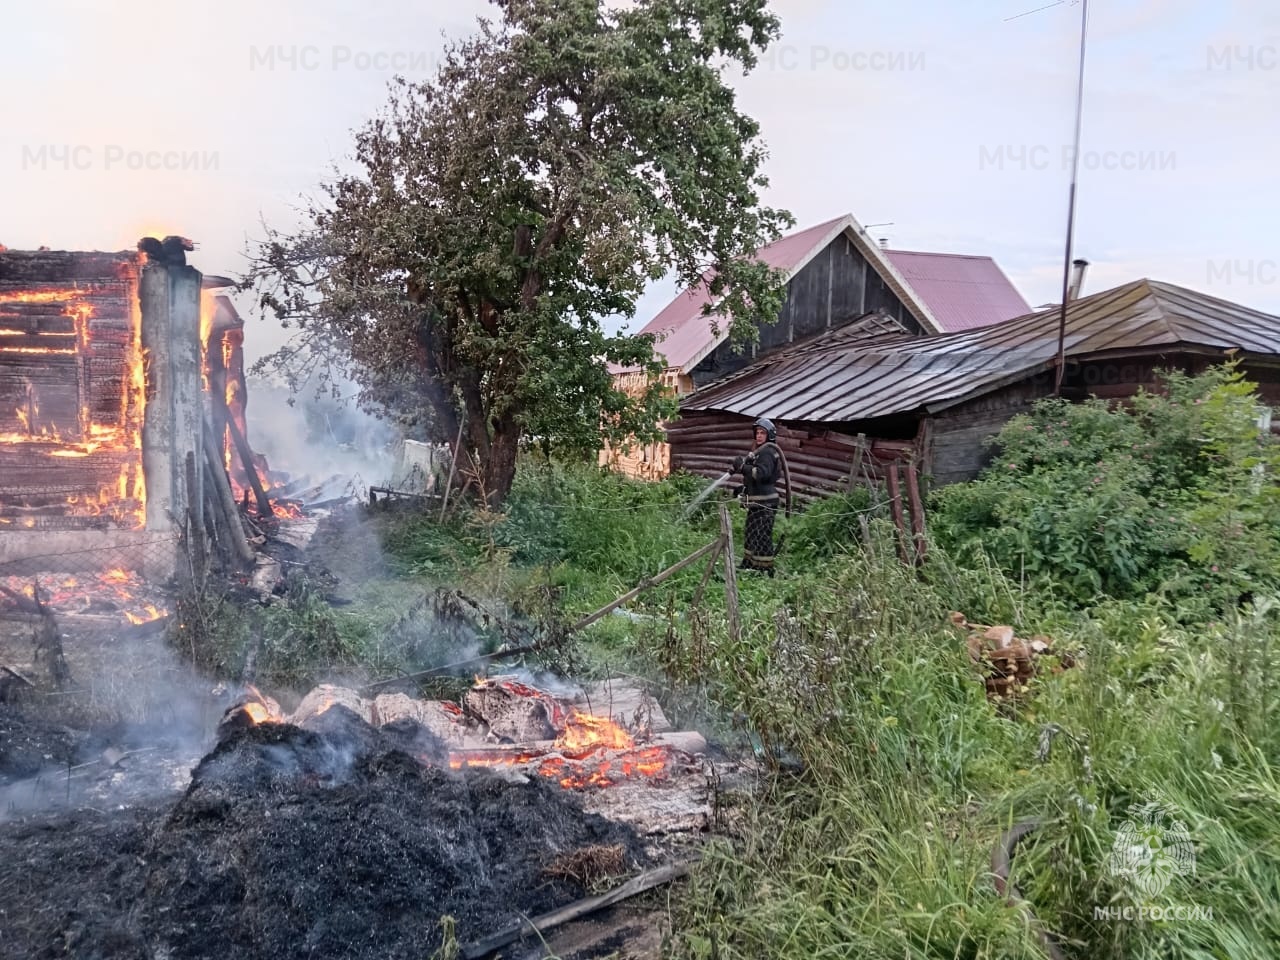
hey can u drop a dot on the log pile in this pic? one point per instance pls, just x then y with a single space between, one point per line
1008 663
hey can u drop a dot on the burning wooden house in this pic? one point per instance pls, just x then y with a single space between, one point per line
111 376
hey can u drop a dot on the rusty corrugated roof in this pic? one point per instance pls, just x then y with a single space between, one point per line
831 380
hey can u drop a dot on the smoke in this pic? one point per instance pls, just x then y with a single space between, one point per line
545 681
318 436
132 723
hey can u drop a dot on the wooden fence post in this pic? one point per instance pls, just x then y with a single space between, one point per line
730 574
917 511
895 508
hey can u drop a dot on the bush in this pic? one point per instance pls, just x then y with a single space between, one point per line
1175 495
612 529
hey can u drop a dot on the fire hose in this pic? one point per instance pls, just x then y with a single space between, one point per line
786 476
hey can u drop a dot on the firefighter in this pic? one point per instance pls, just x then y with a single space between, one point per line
760 470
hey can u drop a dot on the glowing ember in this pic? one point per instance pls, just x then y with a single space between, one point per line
257 713
121 499
117 591
591 751
151 614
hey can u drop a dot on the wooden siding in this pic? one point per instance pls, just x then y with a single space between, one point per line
957 450
834 288
643 461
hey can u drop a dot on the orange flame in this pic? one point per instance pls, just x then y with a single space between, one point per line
257 712
122 499
584 732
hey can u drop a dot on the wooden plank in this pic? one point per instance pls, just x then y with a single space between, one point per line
250 471
895 508
646 584
224 500
917 511
581 908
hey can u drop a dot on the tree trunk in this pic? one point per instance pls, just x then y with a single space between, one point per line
500 467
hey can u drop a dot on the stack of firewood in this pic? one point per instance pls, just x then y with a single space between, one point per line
1008 662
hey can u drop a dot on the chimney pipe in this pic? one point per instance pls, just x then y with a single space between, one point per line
884 243
1078 268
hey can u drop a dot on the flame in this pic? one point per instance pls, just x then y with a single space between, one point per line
257 712
151 614
591 751
39 296
584 732
121 499
115 589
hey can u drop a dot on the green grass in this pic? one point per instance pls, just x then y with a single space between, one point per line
890 775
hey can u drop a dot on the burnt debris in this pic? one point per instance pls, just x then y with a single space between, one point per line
171 251
325 842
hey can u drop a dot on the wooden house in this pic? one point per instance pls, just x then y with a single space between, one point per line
856 400
836 275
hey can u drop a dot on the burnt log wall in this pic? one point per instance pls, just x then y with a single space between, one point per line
69 324
86 374
79 305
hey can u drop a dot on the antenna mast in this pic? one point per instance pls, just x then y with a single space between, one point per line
1071 204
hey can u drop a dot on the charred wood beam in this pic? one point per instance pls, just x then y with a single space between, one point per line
250 471
25 604
548 921
224 499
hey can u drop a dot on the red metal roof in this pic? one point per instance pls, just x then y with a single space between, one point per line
685 335
859 380
964 292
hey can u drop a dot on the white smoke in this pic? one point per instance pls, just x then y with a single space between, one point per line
318 436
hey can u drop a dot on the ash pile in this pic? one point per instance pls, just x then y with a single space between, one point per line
328 839
609 742
353 824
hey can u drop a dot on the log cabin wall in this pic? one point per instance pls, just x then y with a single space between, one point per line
821 458
66 327
100 399
950 445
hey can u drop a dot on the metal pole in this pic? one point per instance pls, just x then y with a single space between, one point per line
1071 204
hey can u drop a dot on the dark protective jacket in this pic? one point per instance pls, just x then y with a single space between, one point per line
760 472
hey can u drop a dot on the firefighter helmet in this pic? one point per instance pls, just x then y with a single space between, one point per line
765 424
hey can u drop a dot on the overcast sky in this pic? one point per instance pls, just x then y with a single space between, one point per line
949 119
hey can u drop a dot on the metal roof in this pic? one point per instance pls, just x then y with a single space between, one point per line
964 292
831 380
685 335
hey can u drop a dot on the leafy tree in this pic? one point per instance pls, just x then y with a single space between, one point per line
562 158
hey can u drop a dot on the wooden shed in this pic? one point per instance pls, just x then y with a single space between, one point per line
837 275
932 401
